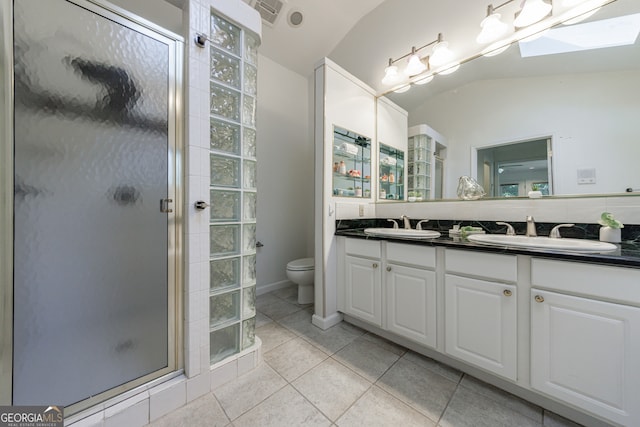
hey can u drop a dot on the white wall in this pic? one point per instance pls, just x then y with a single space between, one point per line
590 128
285 171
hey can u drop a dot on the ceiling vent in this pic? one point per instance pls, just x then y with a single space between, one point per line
269 10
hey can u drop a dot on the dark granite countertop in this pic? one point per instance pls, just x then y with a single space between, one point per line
627 255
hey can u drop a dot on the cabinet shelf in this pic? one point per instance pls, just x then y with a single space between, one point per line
351 152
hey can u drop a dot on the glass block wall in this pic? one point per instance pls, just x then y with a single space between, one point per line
233 82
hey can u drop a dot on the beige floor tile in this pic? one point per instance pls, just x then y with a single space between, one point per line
262 320
202 412
366 358
334 338
285 408
422 389
470 409
273 335
384 343
299 322
278 309
377 408
294 358
503 398
433 365
331 387
245 392
552 419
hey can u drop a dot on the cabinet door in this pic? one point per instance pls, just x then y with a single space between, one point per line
411 303
587 352
480 325
363 296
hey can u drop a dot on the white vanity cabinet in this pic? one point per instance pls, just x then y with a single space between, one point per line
481 310
410 284
585 351
363 280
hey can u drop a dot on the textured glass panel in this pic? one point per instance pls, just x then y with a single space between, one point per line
248 302
249 269
248 333
249 111
225 136
251 49
225 35
225 205
225 68
249 142
225 240
224 308
250 179
225 273
250 79
225 102
249 206
224 342
249 238
225 171
91 141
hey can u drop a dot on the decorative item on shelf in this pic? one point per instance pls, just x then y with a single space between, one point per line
349 148
411 196
342 168
358 191
535 192
392 178
336 167
383 193
367 193
384 178
469 189
611 228
354 173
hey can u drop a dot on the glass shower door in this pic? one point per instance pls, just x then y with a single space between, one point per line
91 205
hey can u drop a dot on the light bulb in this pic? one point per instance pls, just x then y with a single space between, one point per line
441 54
414 65
532 12
492 29
391 76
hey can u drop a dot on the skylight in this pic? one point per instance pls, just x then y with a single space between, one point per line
620 31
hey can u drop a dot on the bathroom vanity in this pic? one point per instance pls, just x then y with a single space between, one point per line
553 328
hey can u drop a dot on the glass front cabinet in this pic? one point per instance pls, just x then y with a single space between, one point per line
391 173
351 164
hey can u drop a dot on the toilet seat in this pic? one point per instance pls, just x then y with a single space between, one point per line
302 264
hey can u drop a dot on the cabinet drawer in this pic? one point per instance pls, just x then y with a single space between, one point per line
364 248
419 256
491 266
602 281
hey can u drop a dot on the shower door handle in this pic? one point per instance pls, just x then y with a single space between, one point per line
164 205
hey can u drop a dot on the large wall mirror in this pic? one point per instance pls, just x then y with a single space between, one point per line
564 107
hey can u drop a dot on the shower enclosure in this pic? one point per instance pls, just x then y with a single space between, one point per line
94 204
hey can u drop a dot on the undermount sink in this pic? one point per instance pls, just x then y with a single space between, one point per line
402 232
562 244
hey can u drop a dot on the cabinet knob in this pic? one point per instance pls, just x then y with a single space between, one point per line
507 293
388 268
539 298
375 265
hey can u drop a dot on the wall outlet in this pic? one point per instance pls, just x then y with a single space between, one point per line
361 210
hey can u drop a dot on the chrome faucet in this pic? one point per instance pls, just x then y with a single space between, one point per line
407 224
531 227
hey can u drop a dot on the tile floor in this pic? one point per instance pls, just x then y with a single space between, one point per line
345 376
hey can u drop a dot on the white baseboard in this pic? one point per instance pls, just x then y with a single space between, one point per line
263 289
326 322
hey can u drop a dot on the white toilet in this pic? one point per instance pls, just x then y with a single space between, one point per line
300 272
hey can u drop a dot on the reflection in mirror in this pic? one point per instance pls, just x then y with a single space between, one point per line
586 101
512 170
351 164
391 172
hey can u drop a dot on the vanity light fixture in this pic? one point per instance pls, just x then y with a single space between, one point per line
391 75
414 65
492 27
417 65
533 11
